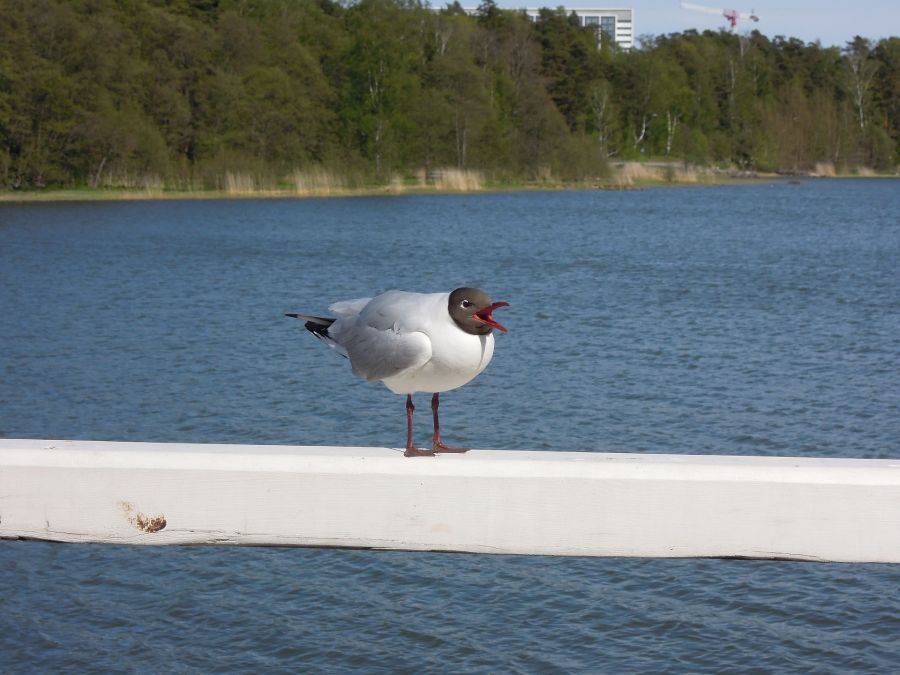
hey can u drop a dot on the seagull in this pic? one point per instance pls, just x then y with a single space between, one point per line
414 342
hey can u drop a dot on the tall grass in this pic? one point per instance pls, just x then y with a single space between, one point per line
317 181
239 183
458 180
396 184
630 173
635 173
131 181
824 170
233 178
685 174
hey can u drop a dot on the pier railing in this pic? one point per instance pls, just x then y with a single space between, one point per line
486 501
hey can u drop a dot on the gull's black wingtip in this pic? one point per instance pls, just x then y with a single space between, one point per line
317 325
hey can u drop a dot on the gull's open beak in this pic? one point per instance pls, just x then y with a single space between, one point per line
484 316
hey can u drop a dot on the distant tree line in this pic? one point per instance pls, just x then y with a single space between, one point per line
95 91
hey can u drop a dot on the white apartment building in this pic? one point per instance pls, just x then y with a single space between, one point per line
615 24
610 24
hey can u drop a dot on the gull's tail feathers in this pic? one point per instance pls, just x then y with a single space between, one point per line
318 326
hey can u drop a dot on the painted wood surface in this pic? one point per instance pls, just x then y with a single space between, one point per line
486 501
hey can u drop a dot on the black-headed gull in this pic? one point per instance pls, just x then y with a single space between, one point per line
412 342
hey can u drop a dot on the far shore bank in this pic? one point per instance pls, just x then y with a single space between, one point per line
623 180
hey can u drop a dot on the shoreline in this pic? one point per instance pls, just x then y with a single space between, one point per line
86 194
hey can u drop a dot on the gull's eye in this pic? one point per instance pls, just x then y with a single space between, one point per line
466 303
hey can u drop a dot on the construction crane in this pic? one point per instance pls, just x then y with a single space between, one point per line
731 15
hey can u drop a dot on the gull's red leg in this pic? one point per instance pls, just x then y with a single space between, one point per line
411 449
436 444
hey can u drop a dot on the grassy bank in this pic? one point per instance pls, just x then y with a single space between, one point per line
629 175
321 183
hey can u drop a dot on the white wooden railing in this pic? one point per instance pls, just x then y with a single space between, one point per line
486 501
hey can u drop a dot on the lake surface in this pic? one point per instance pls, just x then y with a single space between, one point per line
760 319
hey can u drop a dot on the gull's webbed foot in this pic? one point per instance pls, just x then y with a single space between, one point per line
438 446
418 452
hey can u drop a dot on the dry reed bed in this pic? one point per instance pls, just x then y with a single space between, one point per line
459 180
824 170
322 182
632 173
319 181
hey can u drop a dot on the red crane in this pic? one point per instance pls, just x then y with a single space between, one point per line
731 15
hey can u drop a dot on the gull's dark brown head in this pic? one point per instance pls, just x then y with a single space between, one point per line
471 309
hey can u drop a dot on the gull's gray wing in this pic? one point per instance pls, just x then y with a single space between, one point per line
386 335
376 354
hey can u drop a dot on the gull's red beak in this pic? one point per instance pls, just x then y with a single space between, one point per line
484 316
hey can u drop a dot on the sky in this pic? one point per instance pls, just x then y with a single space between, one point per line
830 21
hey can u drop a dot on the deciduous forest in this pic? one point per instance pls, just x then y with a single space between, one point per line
182 92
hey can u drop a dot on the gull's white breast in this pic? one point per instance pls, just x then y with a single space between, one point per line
456 356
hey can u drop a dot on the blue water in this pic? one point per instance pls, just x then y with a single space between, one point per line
758 319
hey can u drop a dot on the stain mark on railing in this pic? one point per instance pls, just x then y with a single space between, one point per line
142 522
